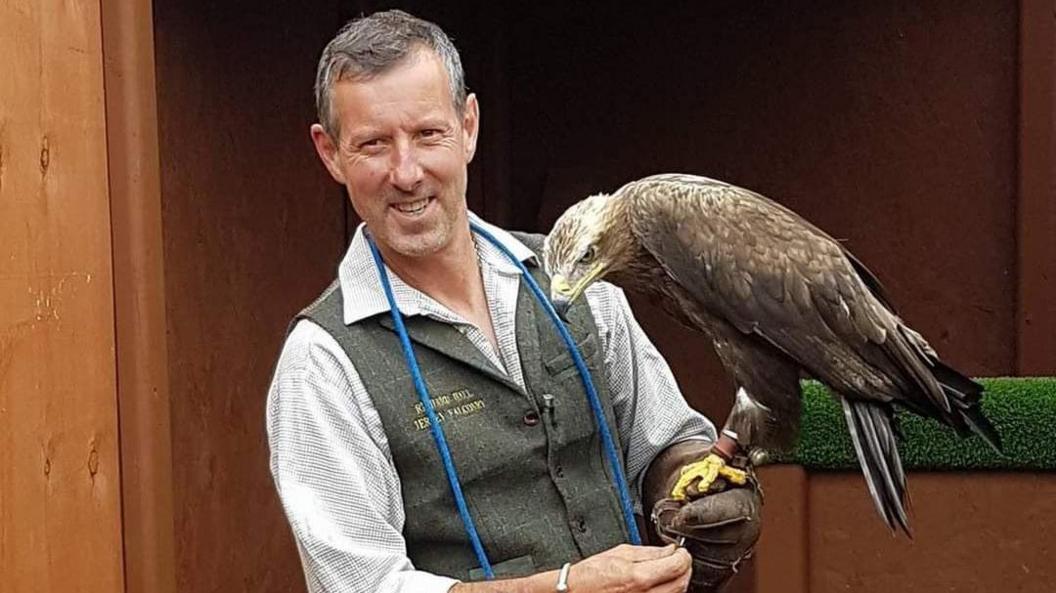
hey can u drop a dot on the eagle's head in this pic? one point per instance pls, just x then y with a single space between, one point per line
591 240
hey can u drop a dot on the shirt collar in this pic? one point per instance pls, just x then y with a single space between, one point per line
361 288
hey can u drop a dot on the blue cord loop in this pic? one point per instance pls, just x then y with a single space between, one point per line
438 433
588 385
434 423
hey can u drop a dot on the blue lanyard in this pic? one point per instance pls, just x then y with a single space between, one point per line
438 432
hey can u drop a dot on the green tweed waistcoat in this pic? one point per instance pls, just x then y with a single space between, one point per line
530 461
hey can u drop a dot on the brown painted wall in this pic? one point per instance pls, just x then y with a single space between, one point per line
252 231
891 125
1036 207
972 534
60 485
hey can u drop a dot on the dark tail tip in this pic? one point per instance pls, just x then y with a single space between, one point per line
965 394
981 426
870 425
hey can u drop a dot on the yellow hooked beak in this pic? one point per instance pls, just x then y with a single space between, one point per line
564 294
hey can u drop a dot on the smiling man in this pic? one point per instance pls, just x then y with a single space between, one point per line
352 455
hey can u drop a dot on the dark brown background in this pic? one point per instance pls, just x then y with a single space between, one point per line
894 126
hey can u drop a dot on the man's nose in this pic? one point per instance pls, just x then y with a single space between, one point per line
406 171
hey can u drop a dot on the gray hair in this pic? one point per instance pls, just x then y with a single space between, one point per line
368 46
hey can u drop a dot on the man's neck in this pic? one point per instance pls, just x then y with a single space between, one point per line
450 276
447 274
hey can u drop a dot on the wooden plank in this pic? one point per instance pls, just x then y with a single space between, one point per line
59 477
139 296
253 231
1036 209
973 532
782 560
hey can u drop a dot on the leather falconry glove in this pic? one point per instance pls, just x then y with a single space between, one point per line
718 527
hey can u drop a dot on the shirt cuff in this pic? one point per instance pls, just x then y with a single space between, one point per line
418 581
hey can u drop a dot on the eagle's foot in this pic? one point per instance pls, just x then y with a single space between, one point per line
706 470
759 457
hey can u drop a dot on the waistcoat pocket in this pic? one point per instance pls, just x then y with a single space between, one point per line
563 362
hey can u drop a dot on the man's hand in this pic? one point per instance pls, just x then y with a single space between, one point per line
622 569
719 530
633 569
718 527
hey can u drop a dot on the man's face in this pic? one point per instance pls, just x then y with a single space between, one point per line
402 154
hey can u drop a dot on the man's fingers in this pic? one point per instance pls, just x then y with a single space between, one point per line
651 573
642 553
677 585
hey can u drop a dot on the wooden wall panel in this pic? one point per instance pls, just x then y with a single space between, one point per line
973 533
60 486
139 299
891 125
253 230
782 558
1036 216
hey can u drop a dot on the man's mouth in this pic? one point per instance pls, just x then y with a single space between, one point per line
413 208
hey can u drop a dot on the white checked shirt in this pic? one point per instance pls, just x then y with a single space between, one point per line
330 457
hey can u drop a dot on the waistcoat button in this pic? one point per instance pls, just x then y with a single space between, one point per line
531 418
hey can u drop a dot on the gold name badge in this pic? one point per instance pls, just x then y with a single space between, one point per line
457 404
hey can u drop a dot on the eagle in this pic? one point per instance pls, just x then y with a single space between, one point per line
780 300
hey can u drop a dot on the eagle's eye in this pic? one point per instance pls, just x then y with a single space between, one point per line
588 255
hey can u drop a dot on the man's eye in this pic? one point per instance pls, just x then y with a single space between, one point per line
372 143
588 255
430 133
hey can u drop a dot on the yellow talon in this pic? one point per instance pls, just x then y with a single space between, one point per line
706 470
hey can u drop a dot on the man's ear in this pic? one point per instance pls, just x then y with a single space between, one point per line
326 147
471 126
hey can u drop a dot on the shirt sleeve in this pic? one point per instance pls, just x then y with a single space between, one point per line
651 412
333 471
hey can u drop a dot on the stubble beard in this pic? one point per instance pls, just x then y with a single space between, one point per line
421 244
432 239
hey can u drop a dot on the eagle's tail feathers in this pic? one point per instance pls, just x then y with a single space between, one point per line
919 369
965 395
874 442
954 397
881 418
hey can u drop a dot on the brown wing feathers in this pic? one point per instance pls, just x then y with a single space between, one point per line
753 263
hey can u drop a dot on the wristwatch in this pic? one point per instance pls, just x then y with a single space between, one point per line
562 578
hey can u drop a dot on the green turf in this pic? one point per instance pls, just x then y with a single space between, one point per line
1022 409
